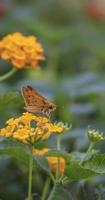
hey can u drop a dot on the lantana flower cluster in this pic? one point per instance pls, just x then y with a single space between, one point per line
29 128
22 51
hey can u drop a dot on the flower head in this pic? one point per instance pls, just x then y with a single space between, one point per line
61 127
53 161
29 128
95 135
22 51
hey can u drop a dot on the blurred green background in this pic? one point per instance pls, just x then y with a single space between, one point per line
73 76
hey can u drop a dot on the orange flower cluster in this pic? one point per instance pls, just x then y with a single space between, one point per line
29 128
53 161
22 51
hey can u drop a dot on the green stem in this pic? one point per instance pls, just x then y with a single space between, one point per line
88 151
46 189
8 74
53 192
90 147
52 177
59 143
30 176
58 163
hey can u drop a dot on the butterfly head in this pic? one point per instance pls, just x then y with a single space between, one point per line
52 107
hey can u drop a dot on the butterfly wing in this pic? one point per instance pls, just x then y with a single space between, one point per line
35 102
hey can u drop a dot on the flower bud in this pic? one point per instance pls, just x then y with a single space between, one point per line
65 127
94 135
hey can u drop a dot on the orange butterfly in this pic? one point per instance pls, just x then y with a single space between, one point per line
35 102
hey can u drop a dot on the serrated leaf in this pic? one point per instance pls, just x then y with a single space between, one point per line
59 193
74 171
96 163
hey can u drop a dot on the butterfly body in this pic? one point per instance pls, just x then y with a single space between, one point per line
35 102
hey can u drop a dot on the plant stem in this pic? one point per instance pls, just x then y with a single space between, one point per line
52 177
58 163
59 143
30 176
52 194
88 151
90 147
8 74
46 188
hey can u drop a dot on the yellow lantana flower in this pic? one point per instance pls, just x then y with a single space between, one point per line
29 128
22 51
53 161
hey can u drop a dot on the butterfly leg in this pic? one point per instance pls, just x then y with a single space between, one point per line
47 112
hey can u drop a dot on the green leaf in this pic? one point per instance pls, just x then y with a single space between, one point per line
42 162
15 152
41 145
96 163
12 148
59 193
74 171
20 152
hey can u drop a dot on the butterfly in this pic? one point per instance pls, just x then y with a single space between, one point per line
35 102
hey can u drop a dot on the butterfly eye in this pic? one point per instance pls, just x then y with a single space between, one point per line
29 87
50 107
